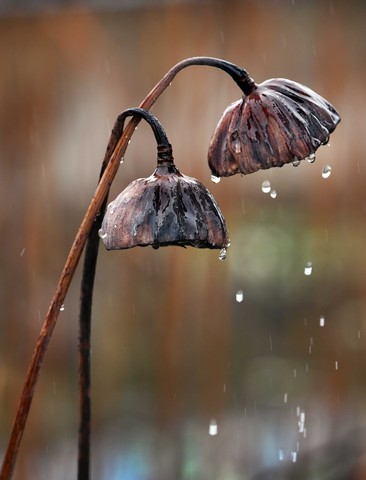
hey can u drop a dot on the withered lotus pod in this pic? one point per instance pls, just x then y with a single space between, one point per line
278 122
167 208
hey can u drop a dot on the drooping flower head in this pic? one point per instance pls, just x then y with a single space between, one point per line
279 121
167 208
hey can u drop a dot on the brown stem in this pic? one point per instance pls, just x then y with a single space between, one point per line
117 147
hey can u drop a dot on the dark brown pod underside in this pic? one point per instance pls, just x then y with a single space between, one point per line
167 208
279 122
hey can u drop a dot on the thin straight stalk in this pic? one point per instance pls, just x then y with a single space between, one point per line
115 151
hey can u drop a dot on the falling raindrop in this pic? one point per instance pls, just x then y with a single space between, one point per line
322 321
266 186
336 365
215 179
213 428
273 194
285 398
223 253
102 233
281 455
327 171
308 270
294 457
239 296
62 308
22 252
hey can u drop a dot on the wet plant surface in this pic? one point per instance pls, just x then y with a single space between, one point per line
251 368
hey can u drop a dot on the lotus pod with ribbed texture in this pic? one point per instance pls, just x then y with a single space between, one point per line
279 122
167 208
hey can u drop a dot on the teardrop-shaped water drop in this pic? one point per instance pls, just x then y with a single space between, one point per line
239 296
222 254
215 179
273 194
311 158
213 428
308 268
102 234
327 171
266 186
296 162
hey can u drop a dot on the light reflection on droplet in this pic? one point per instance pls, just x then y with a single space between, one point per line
266 186
222 254
308 270
213 428
236 145
296 162
311 158
215 179
239 296
62 308
273 194
322 321
327 170
102 234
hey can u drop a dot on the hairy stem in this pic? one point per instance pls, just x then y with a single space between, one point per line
116 149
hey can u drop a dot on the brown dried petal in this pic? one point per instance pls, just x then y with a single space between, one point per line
280 122
167 208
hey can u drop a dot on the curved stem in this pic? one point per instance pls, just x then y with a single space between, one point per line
159 132
86 294
115 150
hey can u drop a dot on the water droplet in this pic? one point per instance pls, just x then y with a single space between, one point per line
336 365
273 194
281 455
62 308
236 142
315 142
308 270
237 145
311 158
222 254
293 457
285 398
266 186
327 170
239 296
123 158
22 252
322 321
296 162
215 179
213 428
102 234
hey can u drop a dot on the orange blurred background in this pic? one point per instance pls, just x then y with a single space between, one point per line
188 382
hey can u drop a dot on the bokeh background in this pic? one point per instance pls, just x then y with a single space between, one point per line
188 382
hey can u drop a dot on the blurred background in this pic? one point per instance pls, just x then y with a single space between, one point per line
250 368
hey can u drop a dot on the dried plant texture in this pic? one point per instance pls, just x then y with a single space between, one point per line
279 122
167 208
